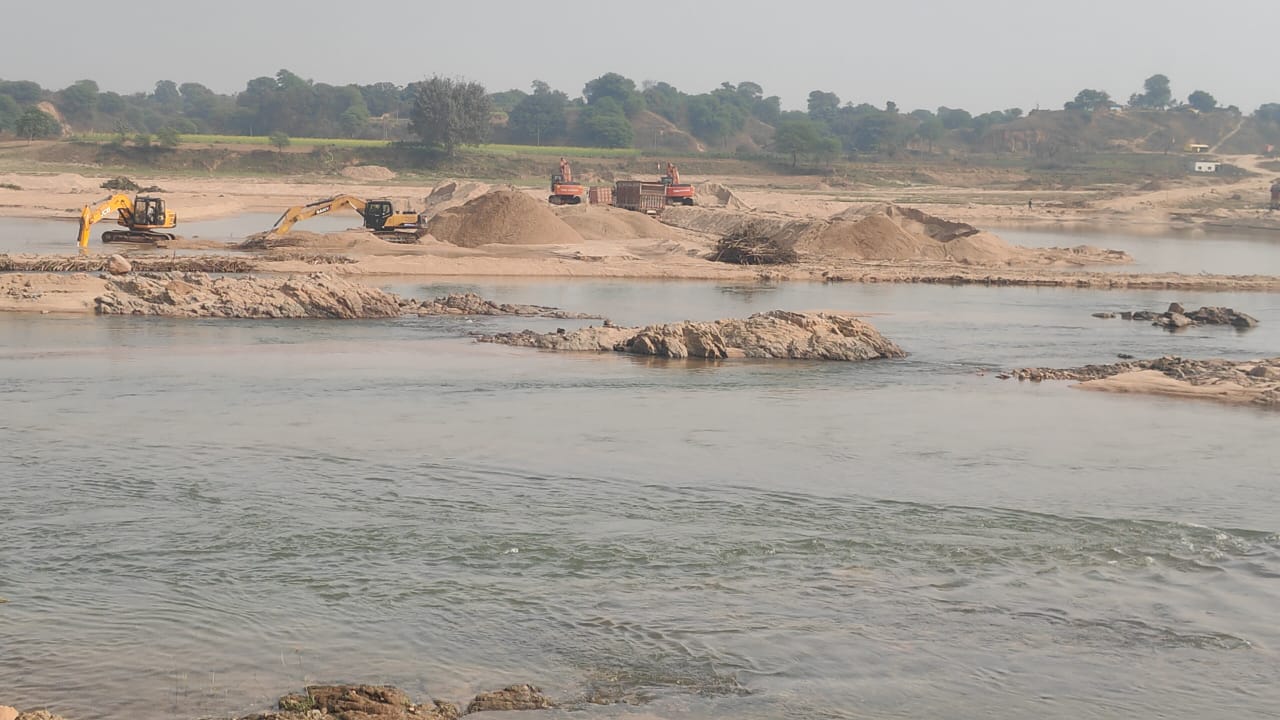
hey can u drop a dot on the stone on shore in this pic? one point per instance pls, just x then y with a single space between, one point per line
515 697
8 713
776 334
317 295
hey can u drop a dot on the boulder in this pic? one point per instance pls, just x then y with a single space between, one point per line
117 265
1175 308
39 715
776 334
515 697
8 713
1104 315
1173 321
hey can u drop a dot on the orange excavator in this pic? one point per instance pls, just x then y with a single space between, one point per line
677 193
564 191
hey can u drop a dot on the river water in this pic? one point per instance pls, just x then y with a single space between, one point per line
199 516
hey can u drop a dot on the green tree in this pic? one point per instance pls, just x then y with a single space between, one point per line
23 92
79 100
1202 101
796 136
353 120
36 123
616 87
448 114
605 124
1089 100
1156 95
142 140
167 137
279 140
931 130
823 105
10 111
539 116
954 118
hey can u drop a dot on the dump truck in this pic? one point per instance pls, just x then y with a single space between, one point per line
641 196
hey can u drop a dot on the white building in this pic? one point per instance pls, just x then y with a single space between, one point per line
1205 166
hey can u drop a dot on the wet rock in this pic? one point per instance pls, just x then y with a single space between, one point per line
8 713
1173 321
117 265
1176 317
1260 378
515 697
39 715
198 295
365 702
473 304
1104 315
777 334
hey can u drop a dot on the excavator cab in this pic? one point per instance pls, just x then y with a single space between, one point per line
147 212
376 214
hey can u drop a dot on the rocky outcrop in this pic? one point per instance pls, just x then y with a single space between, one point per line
515 697
472 304
198 295
1176 317
1252 381
775 334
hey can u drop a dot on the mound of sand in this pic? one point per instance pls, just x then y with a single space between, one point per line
713 194
603 222
368 173
507 217
452 194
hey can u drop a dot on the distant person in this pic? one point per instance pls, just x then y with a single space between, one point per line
1028 203
1275 195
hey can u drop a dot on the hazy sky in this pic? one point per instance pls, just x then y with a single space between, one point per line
976 54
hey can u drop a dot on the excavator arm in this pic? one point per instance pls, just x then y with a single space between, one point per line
299 213
93 213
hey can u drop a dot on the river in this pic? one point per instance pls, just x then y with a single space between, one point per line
199 516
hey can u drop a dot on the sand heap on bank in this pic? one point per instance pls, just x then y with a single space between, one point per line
453 193
878 233
368 173
506 217
711 194
604 222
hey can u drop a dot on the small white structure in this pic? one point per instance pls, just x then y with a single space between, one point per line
1205 166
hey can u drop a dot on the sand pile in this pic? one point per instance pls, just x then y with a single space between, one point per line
368 173
452 194
602 222
716 195
506 217
891 232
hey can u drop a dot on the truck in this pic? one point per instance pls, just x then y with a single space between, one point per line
646 197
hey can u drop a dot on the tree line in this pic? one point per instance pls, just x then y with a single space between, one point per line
447 113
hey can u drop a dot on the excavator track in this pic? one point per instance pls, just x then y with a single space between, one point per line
136 237
402 237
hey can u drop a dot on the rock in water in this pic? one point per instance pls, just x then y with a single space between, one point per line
117 265
8 713
198 295
776 334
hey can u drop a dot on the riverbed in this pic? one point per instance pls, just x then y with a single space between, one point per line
202 515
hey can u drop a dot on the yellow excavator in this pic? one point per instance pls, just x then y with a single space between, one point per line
379 216
140 216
